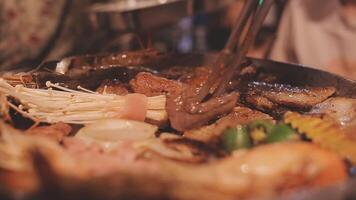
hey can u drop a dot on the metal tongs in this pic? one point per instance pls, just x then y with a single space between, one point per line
235 50
196 106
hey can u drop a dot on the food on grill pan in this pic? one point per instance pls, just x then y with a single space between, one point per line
113 127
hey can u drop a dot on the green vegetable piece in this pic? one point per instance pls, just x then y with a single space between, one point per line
236 138
258 135
280 133
265 124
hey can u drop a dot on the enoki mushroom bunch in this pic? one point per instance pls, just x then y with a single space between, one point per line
60 104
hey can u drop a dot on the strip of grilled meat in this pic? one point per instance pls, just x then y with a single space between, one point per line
267 96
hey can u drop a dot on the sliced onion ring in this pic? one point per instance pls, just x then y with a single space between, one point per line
110 133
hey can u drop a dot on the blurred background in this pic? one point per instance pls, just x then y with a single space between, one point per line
317 33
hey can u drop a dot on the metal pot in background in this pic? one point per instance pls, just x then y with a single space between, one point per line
143 15
161 21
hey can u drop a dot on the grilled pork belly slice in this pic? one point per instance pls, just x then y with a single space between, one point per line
267 96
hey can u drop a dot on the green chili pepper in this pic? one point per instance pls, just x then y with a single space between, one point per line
280 133
236 138
265 124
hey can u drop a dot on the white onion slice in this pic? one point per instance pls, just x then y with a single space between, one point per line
110 133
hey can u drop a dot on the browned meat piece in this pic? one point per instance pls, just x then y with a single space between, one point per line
200 75
177 72
112 87
55 132
197 77
182 119
287 95
185 112
260 102
151 85
240 115
181 149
